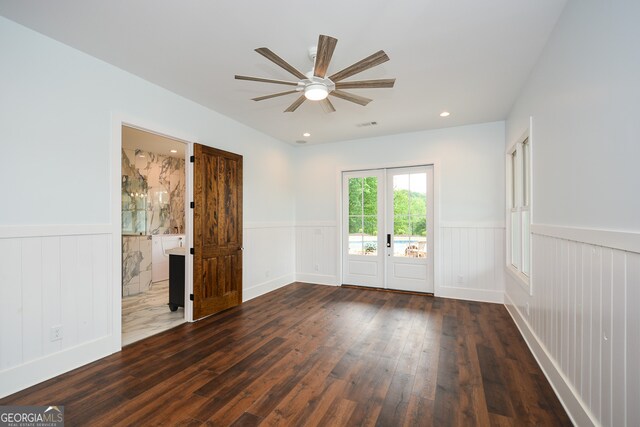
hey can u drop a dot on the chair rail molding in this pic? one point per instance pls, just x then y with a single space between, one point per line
17 231
615 239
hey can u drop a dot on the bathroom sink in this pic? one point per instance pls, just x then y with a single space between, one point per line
176 251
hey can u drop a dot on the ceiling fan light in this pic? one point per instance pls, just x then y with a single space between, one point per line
316 92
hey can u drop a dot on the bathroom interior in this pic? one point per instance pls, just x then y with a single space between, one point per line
153 226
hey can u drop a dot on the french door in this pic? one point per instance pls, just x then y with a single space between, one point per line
388 228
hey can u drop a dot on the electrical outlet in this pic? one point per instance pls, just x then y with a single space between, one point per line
267 273
56 333
460 279
316 267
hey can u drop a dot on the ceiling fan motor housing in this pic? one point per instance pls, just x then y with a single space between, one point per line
317 88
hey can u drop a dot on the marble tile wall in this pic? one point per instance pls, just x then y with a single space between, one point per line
136 264
153 196
155 185
134 196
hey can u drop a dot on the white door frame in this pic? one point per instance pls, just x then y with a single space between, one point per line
117 121
436 211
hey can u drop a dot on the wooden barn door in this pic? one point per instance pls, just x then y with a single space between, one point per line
217 232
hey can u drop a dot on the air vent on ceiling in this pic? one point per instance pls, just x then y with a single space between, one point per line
366 124
300 141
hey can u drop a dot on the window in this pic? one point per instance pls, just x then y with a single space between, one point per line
410 215
519 206
363 216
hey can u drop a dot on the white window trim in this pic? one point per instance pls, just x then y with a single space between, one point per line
523 279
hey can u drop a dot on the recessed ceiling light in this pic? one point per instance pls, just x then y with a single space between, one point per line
174 151
306 134
444 114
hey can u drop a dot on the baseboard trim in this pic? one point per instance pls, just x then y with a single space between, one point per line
36 371
468 294
576 409
265 287
394 291
318 279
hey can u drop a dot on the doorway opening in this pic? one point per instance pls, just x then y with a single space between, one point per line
153 233
388 228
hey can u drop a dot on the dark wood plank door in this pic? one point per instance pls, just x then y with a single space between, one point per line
217 232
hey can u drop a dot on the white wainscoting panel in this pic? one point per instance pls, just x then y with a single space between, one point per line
471 259
51 281
472 262
584 316
317 253
269 257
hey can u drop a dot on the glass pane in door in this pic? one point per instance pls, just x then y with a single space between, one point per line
355 239
355 196
418 247
370 235
363 216
401 234
410 215
370 196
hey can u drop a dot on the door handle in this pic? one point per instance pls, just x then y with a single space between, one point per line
388 240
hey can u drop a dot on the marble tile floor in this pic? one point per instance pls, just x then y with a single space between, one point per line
147 313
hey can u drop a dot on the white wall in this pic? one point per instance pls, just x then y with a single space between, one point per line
584 97
581 320
56 113
471 192
470 157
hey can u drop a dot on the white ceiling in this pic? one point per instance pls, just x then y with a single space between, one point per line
136 139
468 57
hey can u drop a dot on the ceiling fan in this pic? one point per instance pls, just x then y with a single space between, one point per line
316 85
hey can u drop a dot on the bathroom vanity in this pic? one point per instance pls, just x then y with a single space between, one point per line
176 277
161 243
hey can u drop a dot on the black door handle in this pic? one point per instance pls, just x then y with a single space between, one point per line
388 240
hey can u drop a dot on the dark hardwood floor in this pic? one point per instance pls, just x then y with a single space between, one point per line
317 355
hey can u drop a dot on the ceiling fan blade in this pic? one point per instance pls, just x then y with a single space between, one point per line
351 97
368 62
365 84
326 46
293 107
262 98
260 79
327 106
267 53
